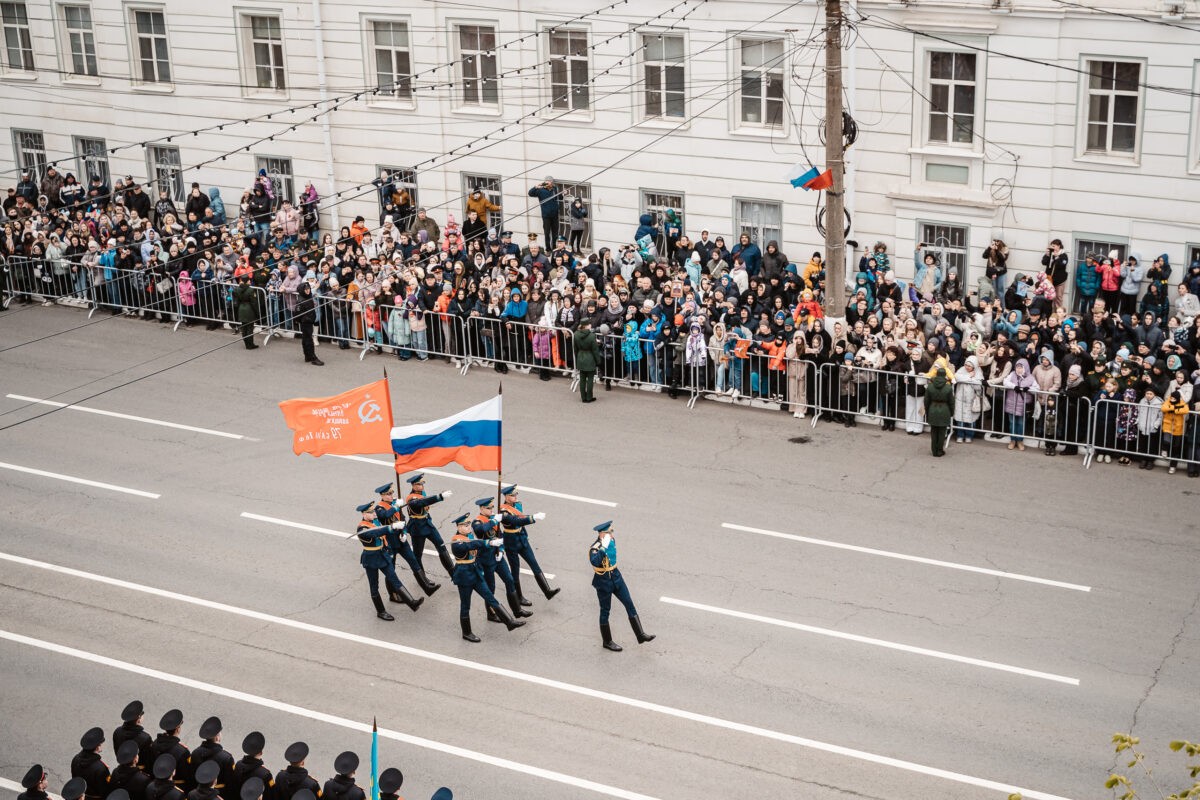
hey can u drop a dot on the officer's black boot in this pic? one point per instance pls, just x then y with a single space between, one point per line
520 594
447 559
544 585
427 586
642 636
380 611
466 629
408 599
515 605
394 596
491 615
508 621
609 644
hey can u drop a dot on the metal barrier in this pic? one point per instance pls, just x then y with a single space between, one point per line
436 334
1047 420
637 363
758 380
1148 433
521 345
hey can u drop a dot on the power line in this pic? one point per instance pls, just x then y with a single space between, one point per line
1164 22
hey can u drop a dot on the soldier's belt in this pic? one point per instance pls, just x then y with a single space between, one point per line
418 516
510 530
372 549
603 570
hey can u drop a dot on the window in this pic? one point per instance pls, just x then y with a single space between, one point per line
663 67
1091 245
656 204
81 42
950 243
393 61
30 149
1193 256
761 97
1113 96
490 186
279 170
150 29
266 50
952 97
762 219
165 169
91 159
569 89
569 192
18 43
401 178
477 65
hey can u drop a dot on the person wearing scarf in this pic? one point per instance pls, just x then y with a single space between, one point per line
1019 386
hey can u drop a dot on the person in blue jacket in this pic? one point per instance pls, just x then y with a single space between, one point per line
607 582
469 579
750 254
549 197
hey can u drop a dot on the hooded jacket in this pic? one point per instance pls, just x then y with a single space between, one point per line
773 263
1019 389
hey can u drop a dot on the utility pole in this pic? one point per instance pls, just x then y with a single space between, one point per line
835 195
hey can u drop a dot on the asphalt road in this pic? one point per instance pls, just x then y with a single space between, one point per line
783 667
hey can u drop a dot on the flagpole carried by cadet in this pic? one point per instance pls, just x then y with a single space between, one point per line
607 582
388 512
376 558
421 527
468 576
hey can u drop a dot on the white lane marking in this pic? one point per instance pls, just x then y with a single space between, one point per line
133 418
853 637
319 716
82 481
340 534
1016 576
14 786
550 683
485 481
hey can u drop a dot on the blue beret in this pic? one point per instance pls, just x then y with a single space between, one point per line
459 520
509 489
364 507
483 501
387 487
603 526
416 478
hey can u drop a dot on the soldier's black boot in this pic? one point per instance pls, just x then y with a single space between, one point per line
491 615
466 629
520 594
545 585
642 636
609 644
380 611
508 621
515 605
447 559
408 599
394 596
427 586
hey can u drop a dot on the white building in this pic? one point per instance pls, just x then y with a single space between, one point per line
1050 120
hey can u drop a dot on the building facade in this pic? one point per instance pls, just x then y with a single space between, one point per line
973 121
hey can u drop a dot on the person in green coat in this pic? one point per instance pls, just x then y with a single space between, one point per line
939 399
587 356
245 305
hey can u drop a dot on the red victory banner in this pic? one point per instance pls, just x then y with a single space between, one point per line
356 422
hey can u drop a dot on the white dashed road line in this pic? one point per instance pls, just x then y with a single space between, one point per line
81 481
131 417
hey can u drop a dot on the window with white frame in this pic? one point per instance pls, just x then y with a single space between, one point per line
393 58
150 34
657 203
664 75
91 158
569 88
569 192
279 170
30 150
476 64
1097 246
165 168
761 219
399 178
760 100
1193 256
949 243
18 41
490 186
80 39
951 79
266 51
1114 95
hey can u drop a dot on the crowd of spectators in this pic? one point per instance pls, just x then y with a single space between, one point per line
673 311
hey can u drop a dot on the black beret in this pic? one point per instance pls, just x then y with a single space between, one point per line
390 780
207 772
171 720
164 765
304 794
74 789
132 711
92 739
127 752
118 794
345 763
252 789
210 728
254 743
33 777
296 752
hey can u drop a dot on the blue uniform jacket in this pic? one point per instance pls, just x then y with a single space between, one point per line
604 564
466 573
375 552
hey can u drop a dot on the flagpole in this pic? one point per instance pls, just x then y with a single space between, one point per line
500 460
387 385
374 759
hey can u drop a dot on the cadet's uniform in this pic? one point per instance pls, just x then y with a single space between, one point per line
420 527
608 582
341 786
206 775
74 790
131 729
295 777
87 765
390 780
251 766
163 786
377 558
128 774
32 779
484 527
468 576
516 543
388 512
209 750
167 743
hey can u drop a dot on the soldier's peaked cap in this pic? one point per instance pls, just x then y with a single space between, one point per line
420 476
164 765
171 720
364 507
210 728
252 789
74 789
459 520
33 776
603 526
127 752
387 487
483 501
92 739
296 752
509 489
346 763
443 794
254 743
207 772
118 794
132 711
390 780
304 794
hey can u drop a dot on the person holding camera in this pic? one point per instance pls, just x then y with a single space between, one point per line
996 257
549 198
1054 261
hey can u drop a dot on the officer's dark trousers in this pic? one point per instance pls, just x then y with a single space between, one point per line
421 533
464 597
615 586
493 568
389 578
550 231
517 547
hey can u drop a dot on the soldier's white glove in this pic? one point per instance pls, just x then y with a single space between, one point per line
404 538
605 540
398 527
495 541
447 493
496 518
539 516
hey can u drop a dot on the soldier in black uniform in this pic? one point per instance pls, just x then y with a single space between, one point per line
388 511
163 786
304 794
167 743
252 789
487 526
341 786
211 749
128 775
390 781
34 783
206 780
74 790
376 558
132 729
295 777
420 527
87 764
468 577
122 794
251 766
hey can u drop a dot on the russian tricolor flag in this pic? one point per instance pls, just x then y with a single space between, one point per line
470 438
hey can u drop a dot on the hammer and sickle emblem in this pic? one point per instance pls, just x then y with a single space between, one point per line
369 412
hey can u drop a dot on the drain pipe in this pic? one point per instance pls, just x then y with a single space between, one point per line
326 136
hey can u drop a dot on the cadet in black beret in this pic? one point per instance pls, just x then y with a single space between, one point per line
290 781
211 750
390 781
341 786
252 789
87 764
128 775
74 789
206 777
34 783
132 730
163 786
167 743
304 794
119 794
250 766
